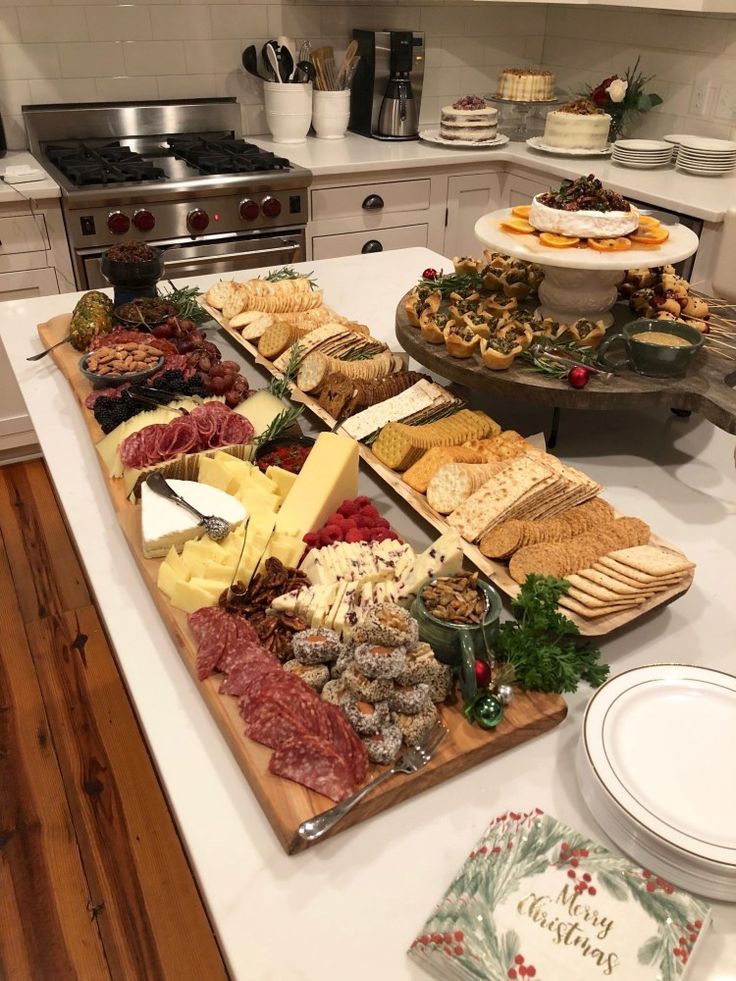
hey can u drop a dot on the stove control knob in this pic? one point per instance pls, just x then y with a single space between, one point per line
143 220
197 220
249 209
118 223
271 207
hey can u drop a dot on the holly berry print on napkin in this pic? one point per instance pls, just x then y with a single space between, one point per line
536 899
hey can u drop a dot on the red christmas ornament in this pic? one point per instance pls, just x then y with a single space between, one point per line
578 377
429 274
482 673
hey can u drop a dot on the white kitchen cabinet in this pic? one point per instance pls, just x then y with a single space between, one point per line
468 197
353 243
520 189
34 261
350 215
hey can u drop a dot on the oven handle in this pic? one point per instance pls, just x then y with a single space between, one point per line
288 246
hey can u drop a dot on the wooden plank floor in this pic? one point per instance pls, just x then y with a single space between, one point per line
94 881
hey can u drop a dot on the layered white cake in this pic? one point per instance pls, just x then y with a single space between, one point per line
469 119
526 84
583 209
578 125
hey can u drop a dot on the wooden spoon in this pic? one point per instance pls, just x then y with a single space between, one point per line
351 52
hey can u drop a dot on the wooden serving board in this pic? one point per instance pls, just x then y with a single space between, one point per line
288 804
706 388
496 571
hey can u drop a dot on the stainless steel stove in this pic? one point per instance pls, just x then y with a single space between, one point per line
174 174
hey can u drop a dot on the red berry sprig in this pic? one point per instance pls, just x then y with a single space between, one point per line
521 970
571 856
655 882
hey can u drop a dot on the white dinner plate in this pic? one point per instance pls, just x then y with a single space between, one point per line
537 143
433 136
642 146
708 145
640 165
660 740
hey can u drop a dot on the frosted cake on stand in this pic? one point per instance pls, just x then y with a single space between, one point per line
526 85
578 125
470 119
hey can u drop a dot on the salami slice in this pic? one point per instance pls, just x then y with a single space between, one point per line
343 738
271 725
312 762
238 680
209 628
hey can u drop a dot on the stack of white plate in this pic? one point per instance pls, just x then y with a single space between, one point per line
707 157
642 154
655 766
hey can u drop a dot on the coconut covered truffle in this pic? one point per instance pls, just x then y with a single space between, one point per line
378 661
315 675
336 691
415 727
422 667
367 719
390 625
384 746
316 646
409 699
367 689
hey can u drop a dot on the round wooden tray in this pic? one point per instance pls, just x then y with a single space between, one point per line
706 389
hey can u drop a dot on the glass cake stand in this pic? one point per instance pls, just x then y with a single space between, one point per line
519 133
580 282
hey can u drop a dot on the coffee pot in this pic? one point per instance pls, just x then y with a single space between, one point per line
387 88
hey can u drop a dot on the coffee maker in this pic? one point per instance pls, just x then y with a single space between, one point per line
387 88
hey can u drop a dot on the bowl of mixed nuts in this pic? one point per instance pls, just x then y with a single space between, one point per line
458 616
113 364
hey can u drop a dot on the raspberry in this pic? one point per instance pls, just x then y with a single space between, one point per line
382 522
361 502
354 535
369 511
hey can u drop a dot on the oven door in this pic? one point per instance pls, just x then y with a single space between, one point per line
209 256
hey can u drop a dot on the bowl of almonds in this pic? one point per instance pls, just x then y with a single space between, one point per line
458 617
113 364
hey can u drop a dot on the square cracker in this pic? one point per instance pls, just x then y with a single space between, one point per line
591 613
593 578
580 585
630 574
652 560
596 602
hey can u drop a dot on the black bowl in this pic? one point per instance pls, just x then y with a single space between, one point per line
106 381
131 275
279 443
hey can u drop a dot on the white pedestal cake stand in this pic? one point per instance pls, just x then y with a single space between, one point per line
580 283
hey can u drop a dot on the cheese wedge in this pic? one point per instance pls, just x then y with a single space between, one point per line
284 479
261 408
329 477
165 524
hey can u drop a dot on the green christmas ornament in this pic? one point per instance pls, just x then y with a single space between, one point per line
484 710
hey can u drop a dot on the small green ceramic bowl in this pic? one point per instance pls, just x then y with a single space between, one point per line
460 644
656 360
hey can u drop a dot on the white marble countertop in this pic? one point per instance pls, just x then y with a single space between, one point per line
35 190
350 906
701 197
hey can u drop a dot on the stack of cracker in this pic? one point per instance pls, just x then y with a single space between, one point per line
529 486
625 578
399 445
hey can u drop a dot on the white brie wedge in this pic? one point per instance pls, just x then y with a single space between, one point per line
165 524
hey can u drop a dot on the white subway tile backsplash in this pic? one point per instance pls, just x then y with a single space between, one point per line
98 59
124 87
123 22
29 61
76 50
245 22
53 23
142 57
170 21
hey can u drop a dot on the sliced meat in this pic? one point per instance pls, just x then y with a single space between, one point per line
269 724
236 429
312 762
209 628
238 680
294 696
343 738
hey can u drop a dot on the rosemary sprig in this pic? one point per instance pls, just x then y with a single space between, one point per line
187 307
288 272
453 283
280 387
283 421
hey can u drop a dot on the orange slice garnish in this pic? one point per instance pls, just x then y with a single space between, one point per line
557 241
649 221
516 225
609 244
650 236
521 210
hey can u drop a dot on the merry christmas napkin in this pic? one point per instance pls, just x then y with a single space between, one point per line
536 899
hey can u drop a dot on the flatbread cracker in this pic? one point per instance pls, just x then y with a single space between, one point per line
653 560
591 614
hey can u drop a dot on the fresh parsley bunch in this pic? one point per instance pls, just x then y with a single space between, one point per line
542 647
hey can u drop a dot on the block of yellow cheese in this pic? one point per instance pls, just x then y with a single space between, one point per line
329 476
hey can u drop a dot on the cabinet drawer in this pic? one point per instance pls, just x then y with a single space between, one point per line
26 285
24 233
370 199
353 243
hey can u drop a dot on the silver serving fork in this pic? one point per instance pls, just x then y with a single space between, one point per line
412 760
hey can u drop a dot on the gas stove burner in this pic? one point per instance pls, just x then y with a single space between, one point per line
109 163
224 155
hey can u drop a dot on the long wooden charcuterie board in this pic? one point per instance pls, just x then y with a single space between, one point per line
287 804
496 571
